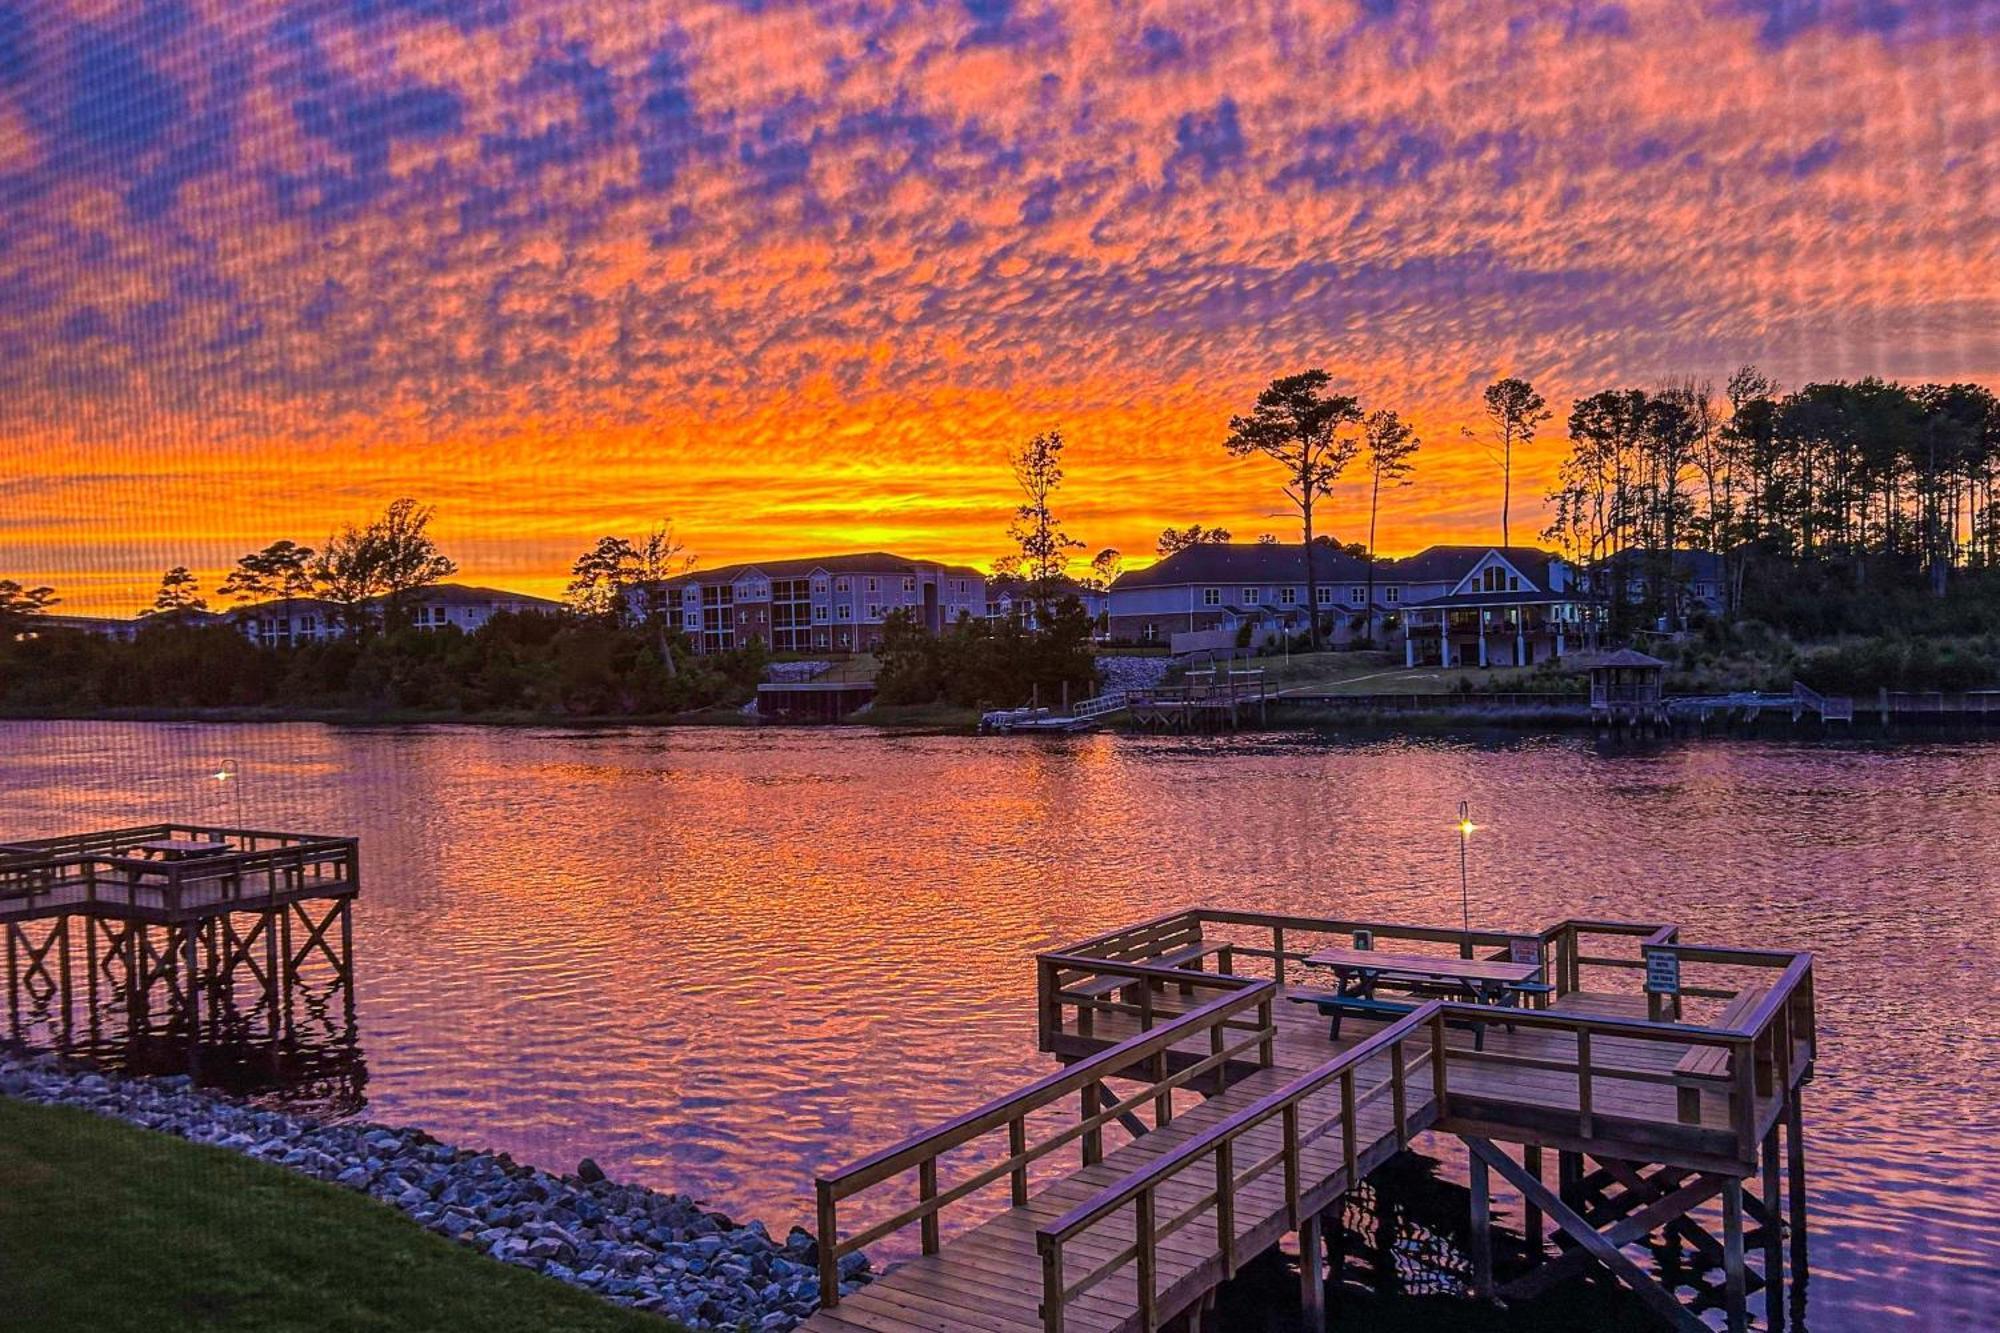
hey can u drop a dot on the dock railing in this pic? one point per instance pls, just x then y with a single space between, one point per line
103 870
1141 1058
1302 1123
1761 1040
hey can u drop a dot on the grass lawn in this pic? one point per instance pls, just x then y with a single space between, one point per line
105 1226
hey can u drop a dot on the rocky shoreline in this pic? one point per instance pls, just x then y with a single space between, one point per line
628 1244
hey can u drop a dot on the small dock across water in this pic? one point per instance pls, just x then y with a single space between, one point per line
1216 1116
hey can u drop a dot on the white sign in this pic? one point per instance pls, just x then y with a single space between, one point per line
1663 972
1525 949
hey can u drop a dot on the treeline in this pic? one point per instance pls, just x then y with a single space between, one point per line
999 663
523 663
1807 496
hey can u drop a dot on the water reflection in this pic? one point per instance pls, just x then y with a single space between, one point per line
717 961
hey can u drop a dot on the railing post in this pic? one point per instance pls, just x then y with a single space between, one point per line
1052 1286
927 1193
1399 1094
1437 1062
1017 1147
1347 1126
1050 1008
1093 1137
1225 1205
1278 953
829 1241
1291 1131
1142 1220
1584 1112
1743 1055
1267 1050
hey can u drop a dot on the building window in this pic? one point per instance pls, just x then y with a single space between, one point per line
909 583
1392 594
1211 597
1150 634
718 619
791 611
872 585
844 612
819 587
874 608
1357 595
840 585
1513 583
1288 595
1325 595
1249 597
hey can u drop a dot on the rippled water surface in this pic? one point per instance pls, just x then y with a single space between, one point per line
715 960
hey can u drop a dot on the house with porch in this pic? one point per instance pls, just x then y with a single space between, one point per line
1448 606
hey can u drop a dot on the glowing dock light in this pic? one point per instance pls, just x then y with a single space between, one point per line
1465 827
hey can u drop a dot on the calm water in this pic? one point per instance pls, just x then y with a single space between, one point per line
715 960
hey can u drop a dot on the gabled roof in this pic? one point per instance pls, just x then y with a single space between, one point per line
1624 657
1449 564
860 562
469 594
1251 564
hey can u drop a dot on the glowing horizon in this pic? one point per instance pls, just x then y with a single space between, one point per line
798 277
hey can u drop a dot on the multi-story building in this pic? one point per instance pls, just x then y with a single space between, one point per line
835 603
1446 605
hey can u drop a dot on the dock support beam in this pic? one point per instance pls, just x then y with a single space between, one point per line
1312 1278
1774 1238
1735 1286
1601 1246
1482 1229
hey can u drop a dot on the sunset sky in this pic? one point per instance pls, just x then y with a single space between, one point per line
798 275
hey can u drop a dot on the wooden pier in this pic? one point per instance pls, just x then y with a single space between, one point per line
1219 699
1215 1116
183 911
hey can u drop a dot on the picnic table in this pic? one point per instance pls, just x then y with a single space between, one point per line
180 849
1496 982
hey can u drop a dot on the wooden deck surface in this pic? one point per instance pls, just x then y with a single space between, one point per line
989 1279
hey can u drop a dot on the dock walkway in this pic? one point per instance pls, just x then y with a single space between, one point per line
1238 1120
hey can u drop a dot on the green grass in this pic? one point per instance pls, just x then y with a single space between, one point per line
107 1227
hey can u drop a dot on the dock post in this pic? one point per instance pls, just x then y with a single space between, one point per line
272 994
1482 1229
1312 1289
1734 1287
1795 1190
1531 1212
62 966
1774 1239
1333 1231
14 980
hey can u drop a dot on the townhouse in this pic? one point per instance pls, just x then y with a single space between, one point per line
835 603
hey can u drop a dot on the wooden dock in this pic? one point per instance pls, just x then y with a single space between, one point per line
1216 1116
182 910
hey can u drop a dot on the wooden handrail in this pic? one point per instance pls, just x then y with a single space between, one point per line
894 1160
1217 1144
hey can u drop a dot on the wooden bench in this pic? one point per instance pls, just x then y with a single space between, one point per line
1708 1066
1099 987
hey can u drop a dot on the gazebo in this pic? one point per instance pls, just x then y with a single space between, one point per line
1625 688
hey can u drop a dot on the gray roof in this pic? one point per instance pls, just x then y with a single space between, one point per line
1448 564
1259 563
1252 564
859 562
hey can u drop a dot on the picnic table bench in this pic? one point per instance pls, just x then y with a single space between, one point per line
1489 981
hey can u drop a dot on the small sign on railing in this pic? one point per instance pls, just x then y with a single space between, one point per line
1364 939
1525 949
1663 972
